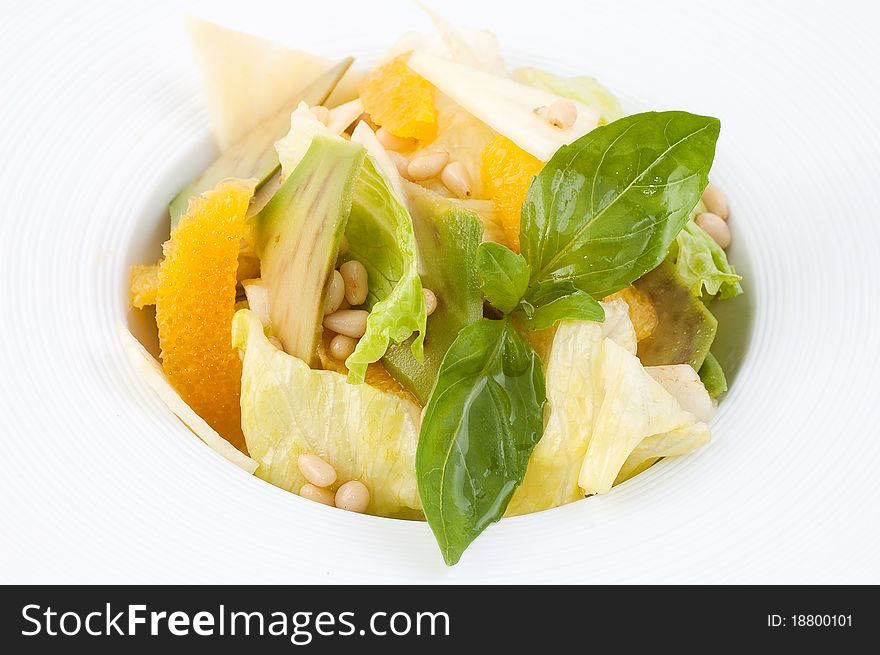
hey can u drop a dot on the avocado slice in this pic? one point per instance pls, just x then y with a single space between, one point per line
447 236
298 237
685 327
255 156
713 376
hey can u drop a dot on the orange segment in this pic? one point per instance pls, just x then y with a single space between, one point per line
143 285
400 100
507 171
195 303
640 309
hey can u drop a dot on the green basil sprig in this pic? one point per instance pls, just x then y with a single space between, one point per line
484 417
504 276
606 208
602 213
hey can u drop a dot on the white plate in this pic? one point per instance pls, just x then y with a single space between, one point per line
102 119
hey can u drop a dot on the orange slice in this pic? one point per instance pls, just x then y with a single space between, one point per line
195 302
507 171
641 310
400 100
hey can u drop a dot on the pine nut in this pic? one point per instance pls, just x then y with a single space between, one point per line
716 202
275 341
425 167
321 113
430 301
356 286
457 179
323 496
353 496
716 227
391 142
343 245
341 347
562 113
335 293
350 322
401 162
316 470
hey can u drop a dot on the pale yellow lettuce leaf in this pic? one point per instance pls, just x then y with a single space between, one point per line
572 375
288 409
672 444
631 406
605 415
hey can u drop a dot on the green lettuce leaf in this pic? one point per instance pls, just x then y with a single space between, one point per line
288 409
702 264
582 88
380 236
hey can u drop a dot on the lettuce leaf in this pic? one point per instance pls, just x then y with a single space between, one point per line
600 413
380 236
304 125
702 264
672 444
582 88
288 409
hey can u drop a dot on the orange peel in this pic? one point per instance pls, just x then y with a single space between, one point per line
195 302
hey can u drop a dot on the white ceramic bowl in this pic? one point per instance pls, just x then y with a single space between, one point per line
104 119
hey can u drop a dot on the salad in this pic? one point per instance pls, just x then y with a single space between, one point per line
433 288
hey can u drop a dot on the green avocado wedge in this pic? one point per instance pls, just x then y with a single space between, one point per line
685 327
255 156
447 236
298 237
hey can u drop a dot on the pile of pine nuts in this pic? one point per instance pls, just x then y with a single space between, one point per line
453 174
320 476
348 287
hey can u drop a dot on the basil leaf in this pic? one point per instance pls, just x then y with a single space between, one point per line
483 419
547 303
504 275
605 209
